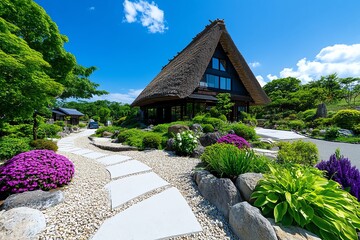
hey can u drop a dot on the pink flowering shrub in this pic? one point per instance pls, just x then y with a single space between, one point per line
36 169
234 140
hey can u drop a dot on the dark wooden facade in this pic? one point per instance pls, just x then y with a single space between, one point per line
71 116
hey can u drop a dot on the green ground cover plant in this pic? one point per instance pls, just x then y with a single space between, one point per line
44 144
227 160
10 147
152 140
299 195
243 131
135 137
299 152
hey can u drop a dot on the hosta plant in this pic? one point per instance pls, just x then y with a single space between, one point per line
339 169
227 160
36 169
234 140
301 196
185 142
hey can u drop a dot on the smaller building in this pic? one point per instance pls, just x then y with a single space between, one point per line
72 116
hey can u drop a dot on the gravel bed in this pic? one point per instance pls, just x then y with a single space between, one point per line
87 203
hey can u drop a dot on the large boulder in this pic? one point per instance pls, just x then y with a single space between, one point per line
198 151
321 111
21 223
177 128
247 223
219 191
209 138
199 175
246 184
107 134
34 199
291 232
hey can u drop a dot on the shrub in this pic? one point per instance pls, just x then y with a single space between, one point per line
163 128
340 170
152 140
48 130
332 133
208 128
299 152
44 144
301 196
60 123
357 129
215 122
132 137
36 169
198 118
10 147
82 125
120 121
323 121
296 124
234 140
227 160
315 132
262 145
185 143
222 117
247 118
111 129
308 115
347 118
244 131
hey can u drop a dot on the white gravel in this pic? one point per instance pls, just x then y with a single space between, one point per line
87 203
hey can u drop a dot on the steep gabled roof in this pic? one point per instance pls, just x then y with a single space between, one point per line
182 75
70 111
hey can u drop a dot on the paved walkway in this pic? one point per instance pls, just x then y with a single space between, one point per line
161 216
326 148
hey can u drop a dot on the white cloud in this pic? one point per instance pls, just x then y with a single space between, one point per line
339 58
150 17
271 77
91 8
255 64
261 80
128 97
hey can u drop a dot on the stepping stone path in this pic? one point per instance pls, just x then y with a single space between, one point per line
161 216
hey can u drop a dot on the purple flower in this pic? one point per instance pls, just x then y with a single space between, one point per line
341 171
234 140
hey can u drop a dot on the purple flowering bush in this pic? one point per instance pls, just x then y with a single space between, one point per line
36 169
234 140
340 170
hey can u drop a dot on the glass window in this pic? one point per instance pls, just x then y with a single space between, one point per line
222 65
215 63
212 81
225 83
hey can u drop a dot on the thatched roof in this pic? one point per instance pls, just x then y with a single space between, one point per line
182 75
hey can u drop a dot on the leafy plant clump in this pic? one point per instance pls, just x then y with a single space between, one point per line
347 118
207 128
339 169
299 152
227 160
332 133
44 144
36 169
301 196
234 140
48 130
185 143
10 147
244 131
152 141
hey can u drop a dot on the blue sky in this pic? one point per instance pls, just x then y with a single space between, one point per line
129 41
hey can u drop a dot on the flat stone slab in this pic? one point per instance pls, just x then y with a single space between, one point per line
83 151
278 134
69 149
164 215
126 189
94 155
126 168
113 159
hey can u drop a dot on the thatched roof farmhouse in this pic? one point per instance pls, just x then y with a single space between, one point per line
189 83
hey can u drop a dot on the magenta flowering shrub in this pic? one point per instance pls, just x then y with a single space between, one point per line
36 169
234 140
340 170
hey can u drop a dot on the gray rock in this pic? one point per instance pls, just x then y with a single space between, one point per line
219 191
107 134
246 184
34 199
321 111
209 138
346 132
199 175
291 232
177 128
198 151
247 223
21 223
231 132
197 128
322 132
170 144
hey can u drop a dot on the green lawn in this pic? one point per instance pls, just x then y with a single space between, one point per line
341 105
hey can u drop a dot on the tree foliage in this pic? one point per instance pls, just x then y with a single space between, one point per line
224 103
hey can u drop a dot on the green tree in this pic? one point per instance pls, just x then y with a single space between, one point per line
104 114
224 104
350 89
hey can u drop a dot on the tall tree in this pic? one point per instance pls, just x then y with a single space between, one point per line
350 89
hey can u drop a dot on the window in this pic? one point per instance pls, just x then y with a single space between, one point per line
225 83
213 81
219 64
